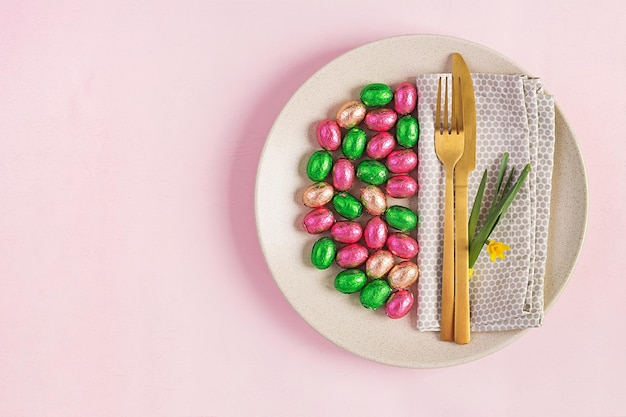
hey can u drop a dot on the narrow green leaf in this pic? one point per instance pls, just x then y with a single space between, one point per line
478 201
509 181
510 195
503 164
501 172
481 237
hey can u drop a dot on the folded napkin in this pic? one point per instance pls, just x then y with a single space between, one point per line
514 115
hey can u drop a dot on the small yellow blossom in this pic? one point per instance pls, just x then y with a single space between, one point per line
470 272
496 250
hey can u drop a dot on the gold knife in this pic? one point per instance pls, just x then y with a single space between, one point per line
466 164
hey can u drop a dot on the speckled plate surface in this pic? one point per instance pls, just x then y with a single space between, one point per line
282 178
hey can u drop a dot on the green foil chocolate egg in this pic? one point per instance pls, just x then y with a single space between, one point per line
349 281
376 95
375 294
407 131
401 218
354 142
319 166
347 205
323 253
372 172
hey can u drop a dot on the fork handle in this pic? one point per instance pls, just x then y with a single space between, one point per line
447 278
461 297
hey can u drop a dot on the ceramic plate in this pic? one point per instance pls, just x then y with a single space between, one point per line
282 178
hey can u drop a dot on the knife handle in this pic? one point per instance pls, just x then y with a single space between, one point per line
461 292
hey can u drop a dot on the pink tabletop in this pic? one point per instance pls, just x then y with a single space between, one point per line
131 278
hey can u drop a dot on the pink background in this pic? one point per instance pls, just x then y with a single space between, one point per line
131 279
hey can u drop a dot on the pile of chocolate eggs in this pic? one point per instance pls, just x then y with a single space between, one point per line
366 168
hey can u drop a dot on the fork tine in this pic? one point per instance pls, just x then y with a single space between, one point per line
446 126
455 102
438 111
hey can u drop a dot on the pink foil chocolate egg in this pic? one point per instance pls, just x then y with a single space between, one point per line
379 263
343 174
401 186
346 231
375 233
374 200
405 98
380 120
380 145
328 135
351 256
401 161
399 304
402 245
318 220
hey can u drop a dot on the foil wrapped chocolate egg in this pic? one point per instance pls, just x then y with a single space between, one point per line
405 97
318 194
343 174
401 218
375 233
318 220
350 281
379 263
399 304
376 94
380 120
346 231
380 145
402 245
407 131
328 135
375 294
347 205
374 200
351 114
354 142
372 172
323 253
403 275
351 256
319 165
401 161
401 186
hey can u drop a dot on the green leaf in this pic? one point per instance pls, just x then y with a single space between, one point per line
503 164
493 218
509 180
501 172
478 201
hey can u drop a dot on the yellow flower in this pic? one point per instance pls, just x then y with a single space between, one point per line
496 250
470 272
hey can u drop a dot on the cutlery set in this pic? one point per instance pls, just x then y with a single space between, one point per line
455 146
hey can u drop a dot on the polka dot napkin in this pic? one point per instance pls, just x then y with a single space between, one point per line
514 115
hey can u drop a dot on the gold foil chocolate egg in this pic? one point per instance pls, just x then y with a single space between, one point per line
351 114
403 275
318 194
374 200
379 263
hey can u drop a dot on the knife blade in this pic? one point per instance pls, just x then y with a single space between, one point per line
464 167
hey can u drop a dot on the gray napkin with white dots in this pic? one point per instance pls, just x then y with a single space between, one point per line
514 115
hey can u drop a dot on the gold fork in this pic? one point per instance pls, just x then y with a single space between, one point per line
449 146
